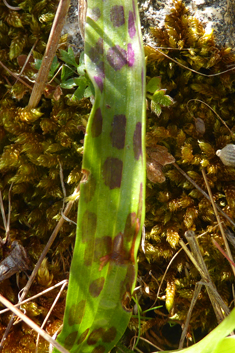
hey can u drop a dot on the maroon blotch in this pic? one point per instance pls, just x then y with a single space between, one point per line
133 5
117 16
130 55
99 349
96 287
137 139
70 340
112 172
142 80
89 223
118 133
109 335
131 25
100 69
130 226
83 336
88 253
116 57
97 51
89 188
103 246
76 313
94 336
99 83
96 127
95 13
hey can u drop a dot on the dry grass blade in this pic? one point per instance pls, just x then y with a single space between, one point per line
65 281
218 220
192 304
49 313
33 274
32 324
222 121
51 48
188 68
220 308
203 192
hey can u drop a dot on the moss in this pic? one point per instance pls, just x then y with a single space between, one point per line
192 133
33 145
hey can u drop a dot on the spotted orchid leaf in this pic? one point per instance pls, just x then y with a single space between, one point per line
111 205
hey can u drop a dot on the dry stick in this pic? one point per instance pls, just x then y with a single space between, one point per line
222 252
37 295
32 324
218 220
222 121
202 192
216 300
195 256
36 268
192 304
187 68
49 313
16 76
51 48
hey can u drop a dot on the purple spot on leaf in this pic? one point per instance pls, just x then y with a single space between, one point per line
112 172
130 55
137 139
83 336
99 349
131 25
96 51
94 336
130 226
109 335
96 287
117 16
116 57
100 68
99 83
95 13
96 127
70 340
76 313
89 187
118 132
88 253
89 223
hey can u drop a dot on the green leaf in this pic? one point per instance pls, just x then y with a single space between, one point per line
66 72
54 66
89 91
68 57
215 341
68 84
154 84
227 345
156 108
162 99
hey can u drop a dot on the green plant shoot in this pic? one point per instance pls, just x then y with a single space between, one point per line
111 206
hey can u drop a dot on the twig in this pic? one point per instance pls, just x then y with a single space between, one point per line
192 304
37 295
32 324
218 220
222 121
195 256
51 48
14 8
202 192
37 266
49 313
187 68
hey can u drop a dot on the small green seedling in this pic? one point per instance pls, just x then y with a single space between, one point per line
157 96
